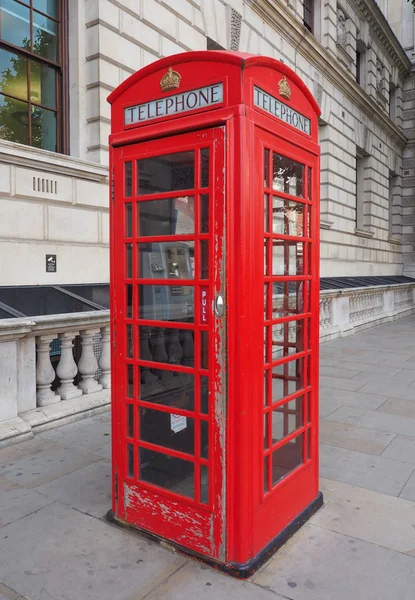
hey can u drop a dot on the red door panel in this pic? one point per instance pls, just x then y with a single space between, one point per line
168 232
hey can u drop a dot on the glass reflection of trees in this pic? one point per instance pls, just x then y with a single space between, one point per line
288 176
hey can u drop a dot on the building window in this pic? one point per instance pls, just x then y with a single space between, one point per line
309 15
361 163
32 72
392 101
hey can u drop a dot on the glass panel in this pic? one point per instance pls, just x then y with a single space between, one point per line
168 388
14 119
204 395
166 429
166 302
266 345
13 74
266 467
166 173
287 379
128 175
45 37
309 183
204 439
50 7
288 176
130 420
128 220
128 260
167 472
266 213
204 213
130 381
265 432
42 84
130 460
287 257
204 259
204 484
266 167
266 302
287 338
287 458
44 129
266 257
286 419
288 298
308 401
165 345
172 216
166 260
308 231
15 23
130 346
129 301
204 167
266 388
204 349
287 217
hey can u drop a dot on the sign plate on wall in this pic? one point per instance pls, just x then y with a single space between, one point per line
278 109
51 263
210 95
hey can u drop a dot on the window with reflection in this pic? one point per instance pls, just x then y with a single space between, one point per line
32 72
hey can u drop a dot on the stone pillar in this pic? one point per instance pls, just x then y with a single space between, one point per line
45 373
67 368
104 362
88 364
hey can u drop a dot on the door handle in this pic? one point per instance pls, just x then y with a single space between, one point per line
219 306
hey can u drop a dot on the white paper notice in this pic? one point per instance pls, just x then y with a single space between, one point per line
178 423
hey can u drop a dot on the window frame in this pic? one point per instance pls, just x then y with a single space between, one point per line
61 72
308 7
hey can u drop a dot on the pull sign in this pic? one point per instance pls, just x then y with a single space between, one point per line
204 305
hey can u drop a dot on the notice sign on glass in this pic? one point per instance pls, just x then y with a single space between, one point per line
278 109
210 95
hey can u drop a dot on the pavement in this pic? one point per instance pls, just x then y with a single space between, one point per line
55 490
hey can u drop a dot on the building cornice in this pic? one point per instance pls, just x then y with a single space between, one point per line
287 25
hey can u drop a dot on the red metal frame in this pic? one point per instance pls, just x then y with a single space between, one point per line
240 518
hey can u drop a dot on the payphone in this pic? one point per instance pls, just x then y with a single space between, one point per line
215 304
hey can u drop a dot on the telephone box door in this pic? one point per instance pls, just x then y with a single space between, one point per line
169 321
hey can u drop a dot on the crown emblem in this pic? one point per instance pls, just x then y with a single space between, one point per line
170 81
284 87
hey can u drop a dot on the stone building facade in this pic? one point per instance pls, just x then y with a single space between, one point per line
346 52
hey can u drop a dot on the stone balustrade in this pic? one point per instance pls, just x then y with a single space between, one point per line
55 369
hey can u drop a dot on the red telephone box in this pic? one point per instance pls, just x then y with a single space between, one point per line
215 304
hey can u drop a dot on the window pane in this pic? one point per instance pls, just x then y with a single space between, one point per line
288 176
287 217
14 117
176 390
204 213
204 439
50 7
287 338
45 37
15 23
166 260
167 472
286 419
13 74
44 129
128 220
287 458
204 395
165 429
287 379
204 167
42 84
173 216
166 173
204 484
166 302
288 298
128 175
287 257
165 345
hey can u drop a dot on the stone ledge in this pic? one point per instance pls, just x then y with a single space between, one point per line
14 431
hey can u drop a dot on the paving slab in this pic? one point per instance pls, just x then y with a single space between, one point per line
403 378
367 401
368 516
402 448
103 451
81 434
328 405
32 447
19 502
374 420
365 368
61 553
375 473
32 471
408 493
326 371
317 564
392 390
361 439
338 383
202 583
7 593
87 489
400 407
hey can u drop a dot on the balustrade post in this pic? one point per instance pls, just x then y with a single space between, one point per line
45 373
88 364
104 362
67 368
